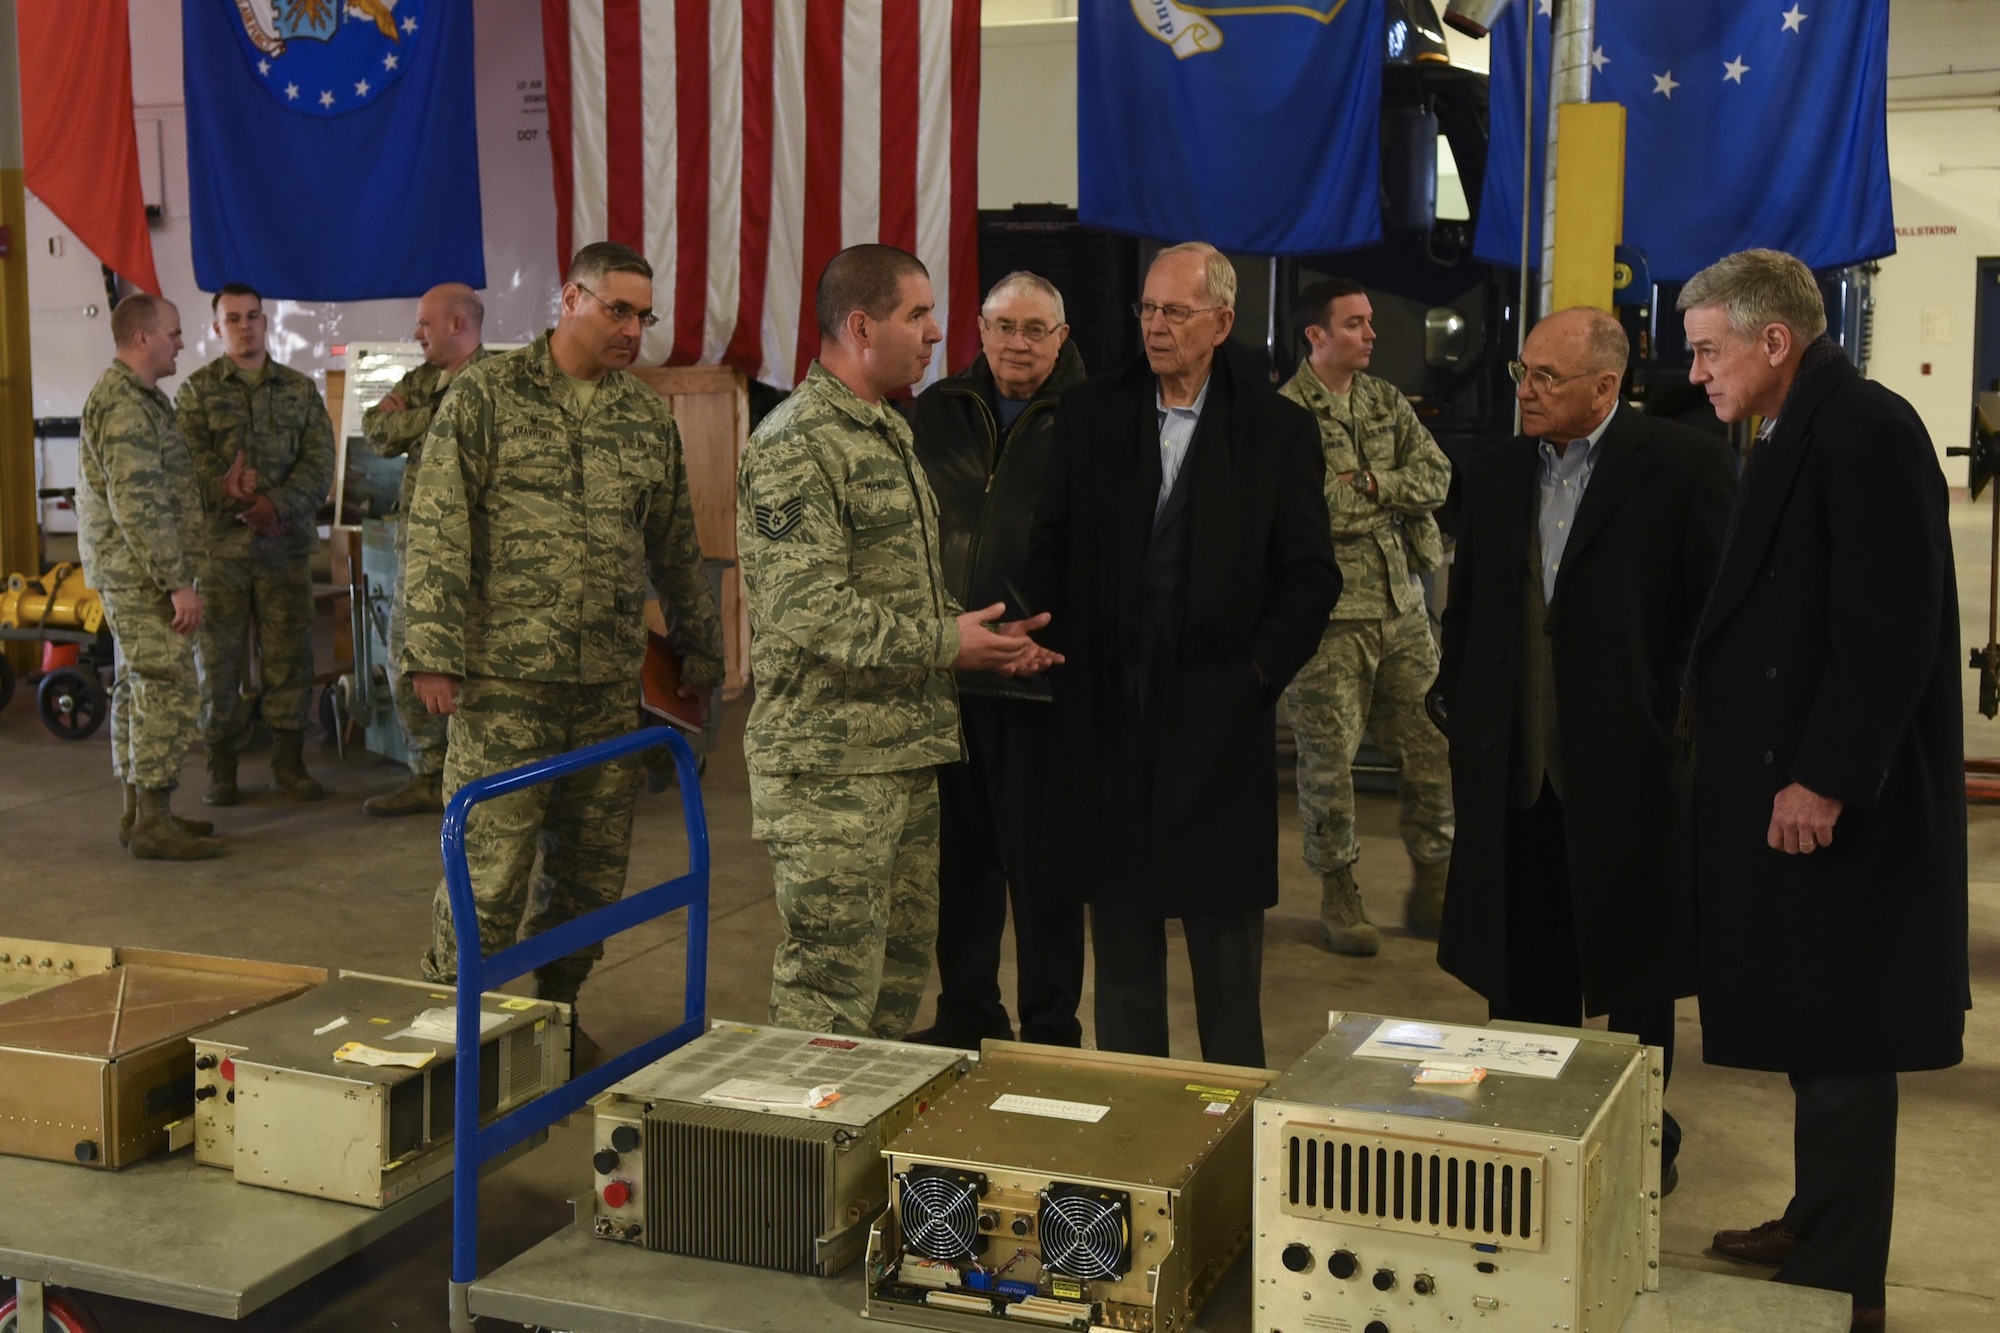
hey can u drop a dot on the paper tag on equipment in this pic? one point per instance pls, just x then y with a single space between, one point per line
791 1096
1496 1050
1049 1107
1439 1071
354 1053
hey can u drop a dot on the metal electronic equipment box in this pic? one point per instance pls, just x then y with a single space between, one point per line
274 1105
94 1059
1070 1189
1388 1203
729 1149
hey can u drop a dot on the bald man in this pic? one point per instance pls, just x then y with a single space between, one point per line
449 320
1586 547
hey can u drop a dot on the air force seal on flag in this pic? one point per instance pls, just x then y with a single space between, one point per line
329 57
1194 30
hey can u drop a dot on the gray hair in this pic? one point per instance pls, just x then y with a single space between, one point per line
1023 283
1759 287
1606 343
601 257
1218 278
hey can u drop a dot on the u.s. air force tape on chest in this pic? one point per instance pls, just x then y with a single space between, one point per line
778 520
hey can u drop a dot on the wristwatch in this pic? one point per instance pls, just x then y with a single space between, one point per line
1363 481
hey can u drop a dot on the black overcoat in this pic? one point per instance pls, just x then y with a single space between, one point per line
1259 584
1829 656
1635 571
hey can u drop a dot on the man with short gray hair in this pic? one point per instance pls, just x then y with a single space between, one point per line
1183 547
1829 796
983 437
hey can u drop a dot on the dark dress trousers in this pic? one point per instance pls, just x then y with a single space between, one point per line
1829 656
993 843
1605 856
1179 635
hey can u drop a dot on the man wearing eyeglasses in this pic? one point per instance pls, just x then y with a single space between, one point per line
983 436
551 489
1385 476
1586 546
1183 548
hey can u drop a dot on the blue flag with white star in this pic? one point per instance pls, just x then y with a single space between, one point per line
332 146
1747 123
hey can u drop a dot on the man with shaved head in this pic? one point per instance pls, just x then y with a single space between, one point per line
1586 546
449 319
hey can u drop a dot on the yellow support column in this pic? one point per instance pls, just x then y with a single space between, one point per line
20 516
1590 201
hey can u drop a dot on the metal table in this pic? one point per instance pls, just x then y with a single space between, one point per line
577 1282
169 1232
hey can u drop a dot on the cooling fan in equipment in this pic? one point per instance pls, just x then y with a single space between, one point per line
940 1212
1086 1232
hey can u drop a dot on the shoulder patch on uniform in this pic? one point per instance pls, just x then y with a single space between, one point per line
777 521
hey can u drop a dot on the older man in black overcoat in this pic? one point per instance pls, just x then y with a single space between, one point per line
1829 751
1184 550
1586 546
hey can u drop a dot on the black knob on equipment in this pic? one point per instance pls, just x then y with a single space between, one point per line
1297 1257
1342 1264
1376 1326
86 1151
204 1092
1423 1284
624 1138
1384 1279
606 1161
204 1062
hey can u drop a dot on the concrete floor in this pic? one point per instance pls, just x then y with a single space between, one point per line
322 884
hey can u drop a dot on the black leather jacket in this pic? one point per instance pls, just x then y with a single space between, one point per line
986 489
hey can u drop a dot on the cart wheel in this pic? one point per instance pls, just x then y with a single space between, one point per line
58 1316
6 681
71 702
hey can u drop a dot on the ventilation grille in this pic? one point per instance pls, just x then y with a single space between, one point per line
524 1064
1086 1232
743 1196
939 1212
1492 1198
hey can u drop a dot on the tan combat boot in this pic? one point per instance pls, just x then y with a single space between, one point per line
1342 918
221 788
422 794
288 767
1424 913
158 836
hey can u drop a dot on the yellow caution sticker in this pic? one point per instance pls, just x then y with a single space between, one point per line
1209 1094
1067 1289
382 1021
517 1004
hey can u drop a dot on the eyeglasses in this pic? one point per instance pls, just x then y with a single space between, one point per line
1007 330
1540 381
1176 314
620 312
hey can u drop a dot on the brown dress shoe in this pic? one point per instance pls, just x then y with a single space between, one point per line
1767 1244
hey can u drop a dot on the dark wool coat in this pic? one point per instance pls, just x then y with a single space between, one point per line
1635 571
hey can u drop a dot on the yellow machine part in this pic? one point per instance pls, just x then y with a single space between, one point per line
58 599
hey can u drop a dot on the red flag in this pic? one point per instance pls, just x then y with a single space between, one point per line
80 149
740 143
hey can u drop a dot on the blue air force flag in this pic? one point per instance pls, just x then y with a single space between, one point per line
1248 125
332 146
1748 123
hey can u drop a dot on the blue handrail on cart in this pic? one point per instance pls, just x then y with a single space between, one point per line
473 1146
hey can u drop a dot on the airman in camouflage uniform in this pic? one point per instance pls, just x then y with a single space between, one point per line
853 641
1385 476
449 318
551 488
139 529
263 447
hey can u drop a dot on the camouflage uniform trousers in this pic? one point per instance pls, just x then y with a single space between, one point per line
1370 675
155 694
854 857
581 826
425 733
276 598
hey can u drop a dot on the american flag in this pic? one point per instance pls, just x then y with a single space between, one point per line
739 144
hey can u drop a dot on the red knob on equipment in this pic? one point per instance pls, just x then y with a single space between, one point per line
617 1194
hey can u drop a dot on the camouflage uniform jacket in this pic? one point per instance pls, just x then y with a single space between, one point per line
401 434
852 634
140 523
533 531
280 426
1384 539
